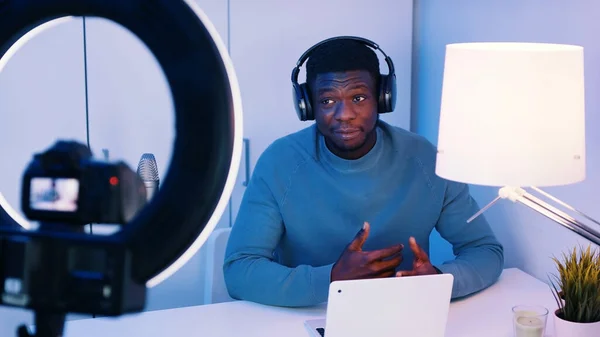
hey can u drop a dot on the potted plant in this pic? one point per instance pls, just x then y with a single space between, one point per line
576 289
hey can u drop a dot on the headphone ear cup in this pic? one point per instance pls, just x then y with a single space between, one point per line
387 93
299 101
309 115
382 104
392 92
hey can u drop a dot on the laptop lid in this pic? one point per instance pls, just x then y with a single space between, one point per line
396 306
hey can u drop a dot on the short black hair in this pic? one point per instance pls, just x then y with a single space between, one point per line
340 56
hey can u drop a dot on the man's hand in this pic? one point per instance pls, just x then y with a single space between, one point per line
354 263
421 264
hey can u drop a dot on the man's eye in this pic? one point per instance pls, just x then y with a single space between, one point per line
359 98
326 101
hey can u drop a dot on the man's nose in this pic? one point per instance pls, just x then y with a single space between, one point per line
345 111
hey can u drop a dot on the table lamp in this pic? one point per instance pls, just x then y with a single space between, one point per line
513 115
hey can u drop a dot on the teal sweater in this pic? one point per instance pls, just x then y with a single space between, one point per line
303 205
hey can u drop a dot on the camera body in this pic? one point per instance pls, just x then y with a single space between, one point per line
58 268
65 185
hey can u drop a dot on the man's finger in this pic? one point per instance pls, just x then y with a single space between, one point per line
361 237
390 264
406 273
385 252
417 250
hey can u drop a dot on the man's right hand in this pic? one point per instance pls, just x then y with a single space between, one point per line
354 263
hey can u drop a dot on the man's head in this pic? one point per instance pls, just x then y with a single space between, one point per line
343 81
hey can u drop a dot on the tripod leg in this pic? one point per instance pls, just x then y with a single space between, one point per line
46 325
22 331
49 324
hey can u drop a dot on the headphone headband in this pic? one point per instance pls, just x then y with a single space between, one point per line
367 42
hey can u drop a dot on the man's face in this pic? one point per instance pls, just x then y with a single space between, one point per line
345 106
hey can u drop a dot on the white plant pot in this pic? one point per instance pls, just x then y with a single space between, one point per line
564 328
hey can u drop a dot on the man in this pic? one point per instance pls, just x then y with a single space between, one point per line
350 197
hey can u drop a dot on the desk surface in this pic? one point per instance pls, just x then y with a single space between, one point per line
487 313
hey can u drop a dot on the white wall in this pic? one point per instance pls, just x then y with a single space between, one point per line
267 38
530 239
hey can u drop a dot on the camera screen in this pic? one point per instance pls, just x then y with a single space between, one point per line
54 194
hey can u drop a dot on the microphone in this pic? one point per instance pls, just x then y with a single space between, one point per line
148 171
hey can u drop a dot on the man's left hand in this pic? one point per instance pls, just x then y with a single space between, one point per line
421 263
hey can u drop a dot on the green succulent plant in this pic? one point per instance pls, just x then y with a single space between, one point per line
576 288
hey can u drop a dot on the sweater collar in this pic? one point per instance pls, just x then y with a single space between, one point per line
353 165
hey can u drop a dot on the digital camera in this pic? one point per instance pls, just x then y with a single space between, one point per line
64 185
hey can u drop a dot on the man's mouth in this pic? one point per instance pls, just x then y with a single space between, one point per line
347 133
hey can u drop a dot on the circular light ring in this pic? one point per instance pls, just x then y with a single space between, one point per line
8 215
208 116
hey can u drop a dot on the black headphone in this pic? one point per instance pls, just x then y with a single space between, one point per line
387 86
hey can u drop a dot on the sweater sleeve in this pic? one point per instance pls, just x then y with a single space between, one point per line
479 257
250 271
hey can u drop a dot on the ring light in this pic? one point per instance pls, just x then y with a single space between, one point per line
208 139
8 215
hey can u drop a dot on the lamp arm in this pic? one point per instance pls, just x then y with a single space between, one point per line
564 204
561 218
517 194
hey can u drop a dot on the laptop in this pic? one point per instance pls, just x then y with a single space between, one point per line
386 307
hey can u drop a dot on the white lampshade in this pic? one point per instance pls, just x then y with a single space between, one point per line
512 114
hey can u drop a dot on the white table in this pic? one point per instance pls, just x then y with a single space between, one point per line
487 313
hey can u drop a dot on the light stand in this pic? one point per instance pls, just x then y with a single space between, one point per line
518 194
